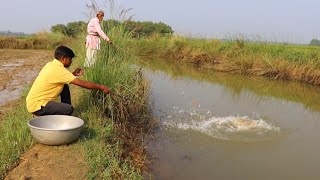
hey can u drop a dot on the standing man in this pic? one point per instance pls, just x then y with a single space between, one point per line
53 81
93 39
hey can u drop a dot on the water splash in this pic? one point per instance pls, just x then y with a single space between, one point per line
232 128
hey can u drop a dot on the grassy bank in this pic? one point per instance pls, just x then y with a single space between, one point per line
15 137
294 62
116 123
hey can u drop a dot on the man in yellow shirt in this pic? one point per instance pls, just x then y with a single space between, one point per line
53 81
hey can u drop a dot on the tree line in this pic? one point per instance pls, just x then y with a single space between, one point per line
9 33
137 28
314 42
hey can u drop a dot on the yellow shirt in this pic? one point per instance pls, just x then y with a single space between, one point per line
48 85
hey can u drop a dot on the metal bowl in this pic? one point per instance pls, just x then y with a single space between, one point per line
55 129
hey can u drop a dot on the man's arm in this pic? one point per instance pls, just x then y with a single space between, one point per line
90 85
97 27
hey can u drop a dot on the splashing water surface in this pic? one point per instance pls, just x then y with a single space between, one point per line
227 126
232 128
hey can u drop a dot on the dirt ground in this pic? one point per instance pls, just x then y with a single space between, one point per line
17 69
50 162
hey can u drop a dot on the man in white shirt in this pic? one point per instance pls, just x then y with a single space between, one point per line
93 39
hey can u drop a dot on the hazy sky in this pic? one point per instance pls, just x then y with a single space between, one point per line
277 20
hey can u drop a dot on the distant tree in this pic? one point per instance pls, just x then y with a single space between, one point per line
147 28
314 42
164 28
71 29
74 28
9 33
60 28
137 28
134 27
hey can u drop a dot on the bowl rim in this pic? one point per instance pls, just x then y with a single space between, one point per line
49 129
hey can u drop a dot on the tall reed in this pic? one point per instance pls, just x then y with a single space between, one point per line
116 122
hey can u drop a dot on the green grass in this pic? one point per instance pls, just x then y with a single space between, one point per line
102 148
15 136
186 47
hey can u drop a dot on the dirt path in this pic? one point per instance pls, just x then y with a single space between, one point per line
50 162
17 69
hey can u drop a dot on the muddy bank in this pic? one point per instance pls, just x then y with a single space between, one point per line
18 68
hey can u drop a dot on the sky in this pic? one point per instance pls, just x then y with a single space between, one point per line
295 21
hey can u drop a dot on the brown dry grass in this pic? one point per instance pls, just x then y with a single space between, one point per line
39 41
130 125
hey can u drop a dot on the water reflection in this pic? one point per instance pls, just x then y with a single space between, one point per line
308 95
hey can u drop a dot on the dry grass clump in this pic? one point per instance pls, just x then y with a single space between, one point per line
42 40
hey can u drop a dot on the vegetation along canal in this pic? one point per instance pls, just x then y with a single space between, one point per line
225 126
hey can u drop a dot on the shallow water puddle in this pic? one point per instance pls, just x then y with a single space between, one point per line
14 77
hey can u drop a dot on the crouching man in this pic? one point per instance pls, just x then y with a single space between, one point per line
53 81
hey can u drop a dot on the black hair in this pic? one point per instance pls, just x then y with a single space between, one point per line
63 51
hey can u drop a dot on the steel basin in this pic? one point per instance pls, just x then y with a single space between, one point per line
55 129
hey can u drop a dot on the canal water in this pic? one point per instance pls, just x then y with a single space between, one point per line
215 125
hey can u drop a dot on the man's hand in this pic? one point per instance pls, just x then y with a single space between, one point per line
90 85
78 72
105 89
109 41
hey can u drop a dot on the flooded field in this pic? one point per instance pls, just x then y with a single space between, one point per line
226 126
18 68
